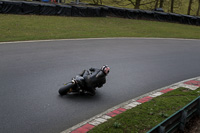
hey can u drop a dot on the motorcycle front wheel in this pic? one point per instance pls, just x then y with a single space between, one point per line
65 89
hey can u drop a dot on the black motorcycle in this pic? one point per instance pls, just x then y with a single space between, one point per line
75 86
88 79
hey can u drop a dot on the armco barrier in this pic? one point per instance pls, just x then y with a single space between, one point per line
63 10
38 8
12 7
93 11
30 8
177 121
132 14
79 11
116 12
162 16
104 11
47 9
1 5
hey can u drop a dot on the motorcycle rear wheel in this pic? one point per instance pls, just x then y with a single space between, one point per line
65 89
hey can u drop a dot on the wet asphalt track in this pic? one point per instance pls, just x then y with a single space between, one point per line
31 74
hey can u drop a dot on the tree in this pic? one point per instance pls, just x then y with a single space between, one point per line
172 6
198 10
97 2
189 7
156 5
161 3
137 4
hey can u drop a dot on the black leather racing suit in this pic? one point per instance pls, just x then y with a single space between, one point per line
93 78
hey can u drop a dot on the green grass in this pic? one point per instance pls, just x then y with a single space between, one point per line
147 115
33 27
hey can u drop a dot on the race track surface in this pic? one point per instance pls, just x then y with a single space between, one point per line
32 72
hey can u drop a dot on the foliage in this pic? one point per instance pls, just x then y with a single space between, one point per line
179 6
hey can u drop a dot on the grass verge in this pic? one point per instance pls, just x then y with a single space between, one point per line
33 27
147 115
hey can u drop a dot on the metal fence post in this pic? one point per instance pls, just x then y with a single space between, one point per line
183 119
198 108
161 129
77 2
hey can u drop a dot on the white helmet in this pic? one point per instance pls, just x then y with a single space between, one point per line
105 69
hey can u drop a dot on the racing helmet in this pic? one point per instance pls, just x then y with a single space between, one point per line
105 69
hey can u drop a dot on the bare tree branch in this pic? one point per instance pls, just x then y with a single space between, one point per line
198 10
172 6
161 3
132 2
156 5
147 3
189 7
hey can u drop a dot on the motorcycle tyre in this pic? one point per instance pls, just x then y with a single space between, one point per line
65 89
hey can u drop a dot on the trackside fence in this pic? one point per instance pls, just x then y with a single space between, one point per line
178 120
39 8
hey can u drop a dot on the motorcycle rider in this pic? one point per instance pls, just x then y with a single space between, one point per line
94 77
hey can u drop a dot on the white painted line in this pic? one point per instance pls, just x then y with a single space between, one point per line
54 40
156 94
191 87
106 117
131 105
175 87
50 40
137 103
101 120
95 123
131 101
198 79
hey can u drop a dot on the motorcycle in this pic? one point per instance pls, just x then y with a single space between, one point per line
75 86
86 82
